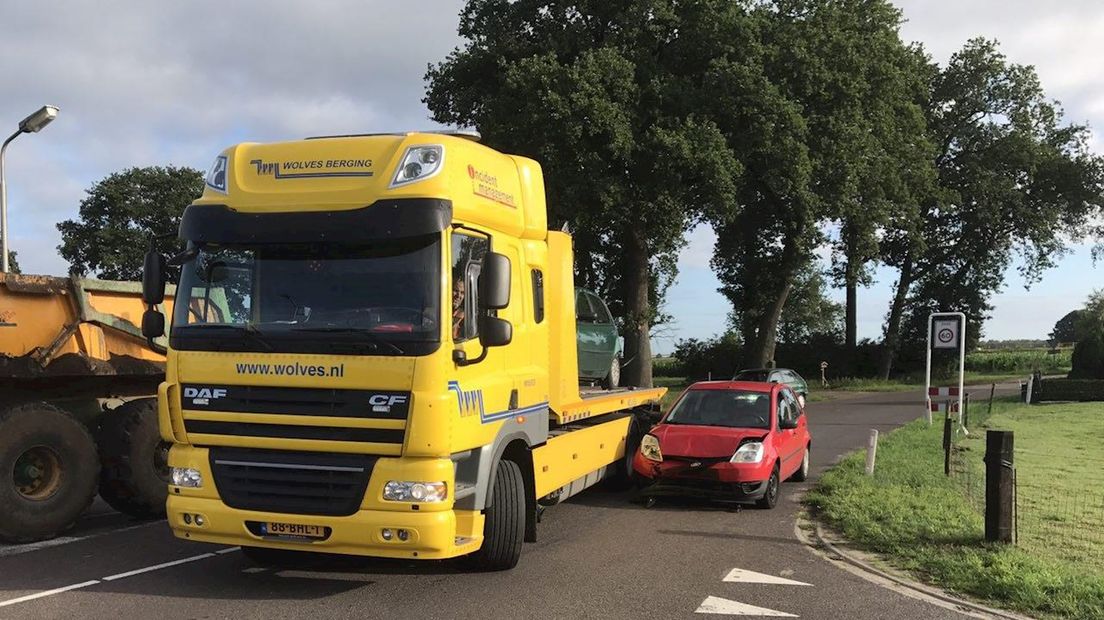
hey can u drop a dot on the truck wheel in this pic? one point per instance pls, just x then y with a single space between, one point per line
623 476
613 377
47 472
504 524
134 467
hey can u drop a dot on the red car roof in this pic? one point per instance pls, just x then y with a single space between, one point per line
745 386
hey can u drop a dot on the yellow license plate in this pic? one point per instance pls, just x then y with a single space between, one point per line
293 529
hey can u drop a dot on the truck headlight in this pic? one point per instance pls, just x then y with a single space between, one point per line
187 477
649 447
751 452
418 163
402 491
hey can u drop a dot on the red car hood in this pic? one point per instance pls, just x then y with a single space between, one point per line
705 442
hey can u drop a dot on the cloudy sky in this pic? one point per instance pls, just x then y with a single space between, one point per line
152 83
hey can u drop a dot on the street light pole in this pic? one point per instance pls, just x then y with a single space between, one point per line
32 124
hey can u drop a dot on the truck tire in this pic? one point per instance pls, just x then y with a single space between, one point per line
134 469
48 468
613 377
504 523
623 476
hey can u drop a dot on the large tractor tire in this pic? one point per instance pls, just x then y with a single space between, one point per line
134 468
504 522
48 469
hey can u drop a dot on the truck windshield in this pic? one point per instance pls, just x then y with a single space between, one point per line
311 298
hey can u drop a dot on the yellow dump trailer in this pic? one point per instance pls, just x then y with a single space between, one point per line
66 344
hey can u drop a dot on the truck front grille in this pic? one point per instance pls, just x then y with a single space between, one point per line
306 483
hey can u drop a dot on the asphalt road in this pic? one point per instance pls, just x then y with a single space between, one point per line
599 555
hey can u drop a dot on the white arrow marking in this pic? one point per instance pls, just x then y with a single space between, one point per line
740 575
717 605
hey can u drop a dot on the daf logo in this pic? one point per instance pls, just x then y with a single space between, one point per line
384 402
203 396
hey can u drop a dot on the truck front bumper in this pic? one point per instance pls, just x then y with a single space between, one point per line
428 535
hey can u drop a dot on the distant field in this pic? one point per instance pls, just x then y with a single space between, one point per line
1024 360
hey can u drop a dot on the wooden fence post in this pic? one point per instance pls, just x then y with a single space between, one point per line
947 426
999 469
992 393
871 451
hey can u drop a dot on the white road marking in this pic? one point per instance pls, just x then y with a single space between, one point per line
253 569
65 540
31 597
723 606
85 584
740 575
150 569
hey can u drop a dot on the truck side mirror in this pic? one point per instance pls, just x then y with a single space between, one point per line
153 279
153 323
495 332
494 282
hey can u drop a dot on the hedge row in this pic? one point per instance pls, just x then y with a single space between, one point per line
1081 390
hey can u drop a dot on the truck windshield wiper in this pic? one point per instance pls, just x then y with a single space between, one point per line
367 335
245 329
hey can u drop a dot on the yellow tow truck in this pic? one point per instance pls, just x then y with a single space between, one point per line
373 352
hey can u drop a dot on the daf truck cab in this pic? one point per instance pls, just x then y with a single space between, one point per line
373 352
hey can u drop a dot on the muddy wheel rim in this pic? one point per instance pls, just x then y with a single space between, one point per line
37 473
772 486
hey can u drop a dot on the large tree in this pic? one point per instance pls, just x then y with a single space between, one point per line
1012 180
119 216
607 96
829 130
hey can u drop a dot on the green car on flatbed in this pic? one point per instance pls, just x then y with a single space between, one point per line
598 342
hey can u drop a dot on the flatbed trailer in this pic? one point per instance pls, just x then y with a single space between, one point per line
374 353
66 345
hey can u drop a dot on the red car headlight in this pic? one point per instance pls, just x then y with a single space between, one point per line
750 452
649 449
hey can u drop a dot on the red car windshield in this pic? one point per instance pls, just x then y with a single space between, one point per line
729 408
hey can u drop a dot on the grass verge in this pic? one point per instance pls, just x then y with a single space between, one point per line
922 521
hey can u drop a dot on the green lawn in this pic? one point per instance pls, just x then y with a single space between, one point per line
923 522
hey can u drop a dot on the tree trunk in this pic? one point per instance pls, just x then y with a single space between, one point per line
768 327
893 323
638 310
852 327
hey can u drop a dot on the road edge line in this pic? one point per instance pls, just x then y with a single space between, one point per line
915 586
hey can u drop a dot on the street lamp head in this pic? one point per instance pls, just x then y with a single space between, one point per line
35 122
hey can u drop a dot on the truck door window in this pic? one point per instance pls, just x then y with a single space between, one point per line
538 295
468 251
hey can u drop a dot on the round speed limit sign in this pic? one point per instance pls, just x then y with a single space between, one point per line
946 334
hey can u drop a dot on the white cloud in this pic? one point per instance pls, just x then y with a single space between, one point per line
173 83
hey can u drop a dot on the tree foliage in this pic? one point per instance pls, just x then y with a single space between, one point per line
119 216
1013 180
13 264
1065 329
607 97
827 119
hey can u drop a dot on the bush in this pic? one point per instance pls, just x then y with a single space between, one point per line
1088 358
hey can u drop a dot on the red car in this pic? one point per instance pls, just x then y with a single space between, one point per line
731 440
